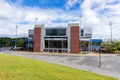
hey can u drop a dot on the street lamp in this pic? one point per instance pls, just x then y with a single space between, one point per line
110 24
99 59
80 29
36 20
16 36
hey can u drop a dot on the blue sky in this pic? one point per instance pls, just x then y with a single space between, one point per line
47 4
94 13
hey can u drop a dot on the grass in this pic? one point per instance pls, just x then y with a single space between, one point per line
20 68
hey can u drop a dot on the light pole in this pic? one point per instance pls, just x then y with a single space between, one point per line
99 59
110 24
16 36
80 29
36 21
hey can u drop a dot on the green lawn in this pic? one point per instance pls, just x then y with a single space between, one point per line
20 68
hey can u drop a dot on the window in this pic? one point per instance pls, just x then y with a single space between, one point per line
56 32
82 32
88 35
31 33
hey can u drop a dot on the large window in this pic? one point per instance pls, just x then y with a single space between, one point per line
56 44
56 32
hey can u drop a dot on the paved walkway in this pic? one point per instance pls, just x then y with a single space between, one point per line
110 63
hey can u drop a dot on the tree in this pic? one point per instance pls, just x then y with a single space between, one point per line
5 42
111 47
107 47
20 42
117 45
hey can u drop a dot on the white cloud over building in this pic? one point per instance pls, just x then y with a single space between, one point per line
95 13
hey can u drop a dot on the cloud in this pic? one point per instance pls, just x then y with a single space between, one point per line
95 13
98 13
90 17
14 14
70 3
19 1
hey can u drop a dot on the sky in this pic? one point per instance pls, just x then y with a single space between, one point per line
97 14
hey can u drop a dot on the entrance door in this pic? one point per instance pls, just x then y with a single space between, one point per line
56 45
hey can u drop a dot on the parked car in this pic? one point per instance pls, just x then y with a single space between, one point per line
104 50
16 48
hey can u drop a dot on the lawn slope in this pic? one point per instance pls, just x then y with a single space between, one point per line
20 68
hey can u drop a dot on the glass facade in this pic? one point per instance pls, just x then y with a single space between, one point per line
56 32
56 44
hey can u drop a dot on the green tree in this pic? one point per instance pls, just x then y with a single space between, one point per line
20 42
5 42
108 47
117 45
114 46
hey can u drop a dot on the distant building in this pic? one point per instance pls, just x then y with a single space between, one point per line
60 39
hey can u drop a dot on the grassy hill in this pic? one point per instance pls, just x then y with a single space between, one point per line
20 68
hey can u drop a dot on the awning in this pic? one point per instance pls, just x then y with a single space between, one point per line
96 40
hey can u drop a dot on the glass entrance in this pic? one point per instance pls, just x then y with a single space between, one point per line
56 45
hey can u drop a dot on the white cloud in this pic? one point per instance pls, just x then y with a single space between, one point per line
12 15
90 17
98 13
70 3
95 14
19 1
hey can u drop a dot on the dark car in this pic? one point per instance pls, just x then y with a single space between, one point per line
104 50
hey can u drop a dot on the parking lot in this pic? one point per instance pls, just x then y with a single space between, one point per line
110 63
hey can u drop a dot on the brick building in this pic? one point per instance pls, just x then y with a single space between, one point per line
60 39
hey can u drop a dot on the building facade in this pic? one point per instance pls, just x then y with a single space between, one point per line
60 39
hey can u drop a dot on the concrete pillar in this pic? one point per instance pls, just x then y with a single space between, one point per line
42 37
68 34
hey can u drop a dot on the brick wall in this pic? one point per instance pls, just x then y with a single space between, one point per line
75 43
37 39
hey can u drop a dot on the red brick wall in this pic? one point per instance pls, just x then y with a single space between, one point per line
75 43
37 39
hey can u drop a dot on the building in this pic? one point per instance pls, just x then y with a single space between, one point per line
61 39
